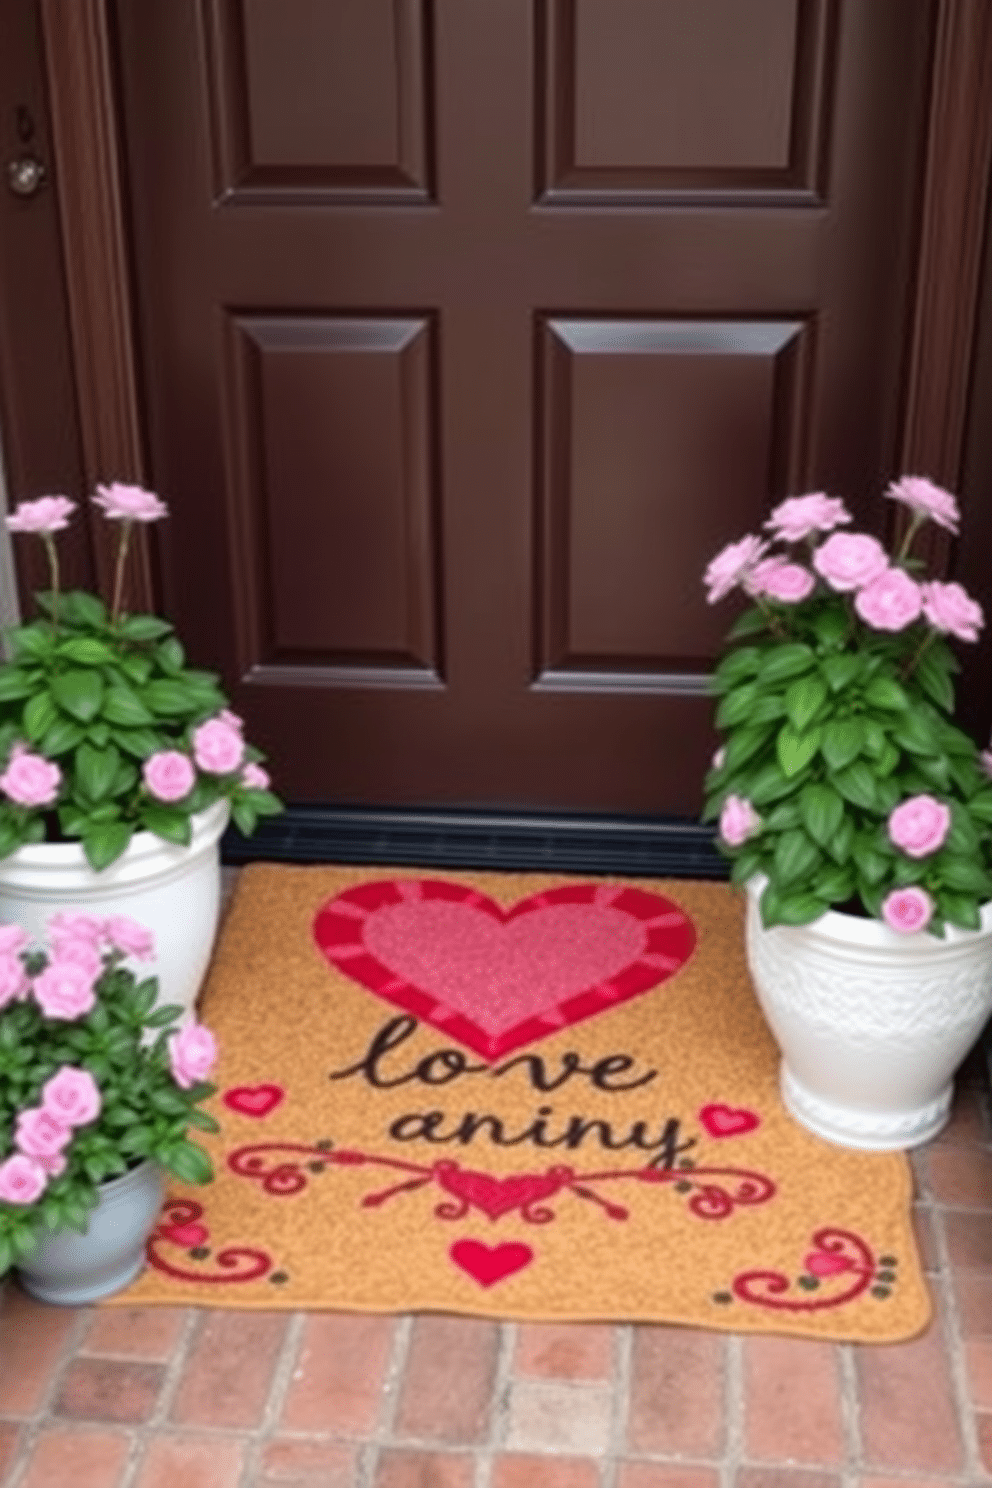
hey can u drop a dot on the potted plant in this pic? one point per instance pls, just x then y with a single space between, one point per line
98 1092
119 764
857 814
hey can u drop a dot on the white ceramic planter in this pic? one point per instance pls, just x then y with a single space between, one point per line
871 1024
173 890
70 1269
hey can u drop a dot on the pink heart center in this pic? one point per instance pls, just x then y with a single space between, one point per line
187 1235
488 1264
728 1121
253 1100
824 1263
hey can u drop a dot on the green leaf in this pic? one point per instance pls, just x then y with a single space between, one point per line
840 845
840 670
833 883
803 701
783 662
87 650
173 825
742 745
61 737
168 697
794 749
843 739
14 684
748 623
883 692
915 735
768 708
34 642
79 693
171 657
85 609
871 864
735 666
96 770
189 1163
139 743
769 785
747 863
736 706
961 909
245 817
144 627
831 625
105 841
137 668
931 673
122 706
800 909
795 858
39 715
822 812
857 784
965 876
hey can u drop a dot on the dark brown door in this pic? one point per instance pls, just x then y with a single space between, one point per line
471 329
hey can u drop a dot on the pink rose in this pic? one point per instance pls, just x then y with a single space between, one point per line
848 560
22 1180
131 937
168 775
255 778
919 825
192 1054
927 500
29 779
217 747
65 990
81 953
985 760
66 926
797 517
730 565
72 1096
231 719
738 820
907 910
890 602
54 1164
129 503
39 1134
949 608
787 582
47 514
13 979
12 939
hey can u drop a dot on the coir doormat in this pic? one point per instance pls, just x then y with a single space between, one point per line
524 1097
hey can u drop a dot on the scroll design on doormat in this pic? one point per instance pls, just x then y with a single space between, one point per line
180 1225
494 1196
836 1253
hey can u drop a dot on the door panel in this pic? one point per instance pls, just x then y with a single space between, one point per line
473 328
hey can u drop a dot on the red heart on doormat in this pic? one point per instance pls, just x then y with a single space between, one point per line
726 1121
499 1196
186 1235
492 978
488 1264
253 1100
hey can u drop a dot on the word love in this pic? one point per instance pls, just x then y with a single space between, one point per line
615 1073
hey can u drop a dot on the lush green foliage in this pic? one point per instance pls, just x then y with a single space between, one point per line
828 725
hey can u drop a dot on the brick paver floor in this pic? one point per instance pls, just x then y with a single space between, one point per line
196 1398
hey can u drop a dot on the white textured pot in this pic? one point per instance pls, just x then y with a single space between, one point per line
173 890
70 1269
871 1024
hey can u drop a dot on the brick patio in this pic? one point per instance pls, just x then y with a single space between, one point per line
187 1398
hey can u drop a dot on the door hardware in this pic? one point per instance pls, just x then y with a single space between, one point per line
25 175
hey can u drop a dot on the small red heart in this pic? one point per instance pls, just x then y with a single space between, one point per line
488 1264
726 1121
189 1236
825 1263
254 1100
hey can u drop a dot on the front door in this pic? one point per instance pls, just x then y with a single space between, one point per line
471 329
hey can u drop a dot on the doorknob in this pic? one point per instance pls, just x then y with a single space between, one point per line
25 175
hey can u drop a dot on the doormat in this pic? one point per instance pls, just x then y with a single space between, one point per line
518 1096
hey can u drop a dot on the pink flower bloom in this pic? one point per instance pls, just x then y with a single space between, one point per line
13 938
66 926
29 779
787 582
907 910
919 825
13 979
129 503
217 747
731 565
81 953
192 1054
926 499
949 608
231 719
47 514
39 1134
64 990
848 560
131 937
985 760
255 778
719 759
168 775
738 820
890 602
72 1096
797 517
22 1179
